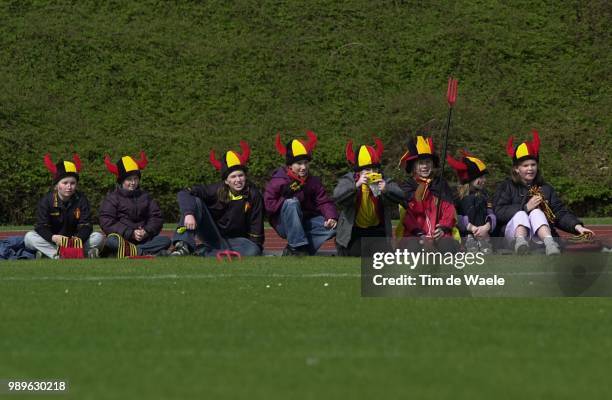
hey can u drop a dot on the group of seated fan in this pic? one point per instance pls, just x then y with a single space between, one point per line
229 214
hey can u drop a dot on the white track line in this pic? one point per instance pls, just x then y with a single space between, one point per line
172 277
237 275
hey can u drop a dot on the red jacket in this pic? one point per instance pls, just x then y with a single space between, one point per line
420 215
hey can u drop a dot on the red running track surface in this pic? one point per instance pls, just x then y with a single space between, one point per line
275 242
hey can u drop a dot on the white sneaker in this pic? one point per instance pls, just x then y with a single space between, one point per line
521 246
180 249
93 253
485 246
471 244
552 249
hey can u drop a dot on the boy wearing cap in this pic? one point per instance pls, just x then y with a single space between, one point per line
63 215
366 199
130 217
297 205
223 214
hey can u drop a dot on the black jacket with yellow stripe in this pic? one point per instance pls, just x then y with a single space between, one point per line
66 218
242 217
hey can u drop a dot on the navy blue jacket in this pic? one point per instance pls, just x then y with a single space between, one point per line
66 218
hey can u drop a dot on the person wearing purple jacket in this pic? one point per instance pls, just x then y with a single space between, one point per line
129 216
297 205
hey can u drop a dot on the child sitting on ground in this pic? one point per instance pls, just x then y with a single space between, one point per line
527 207
367 199
429 214
475 217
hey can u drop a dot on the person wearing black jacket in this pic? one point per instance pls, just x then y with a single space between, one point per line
129 216
226 215
63 213
475 216
527 207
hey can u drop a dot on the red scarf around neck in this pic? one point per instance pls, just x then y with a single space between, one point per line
293 176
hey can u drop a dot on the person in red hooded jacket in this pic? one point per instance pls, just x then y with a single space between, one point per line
424 193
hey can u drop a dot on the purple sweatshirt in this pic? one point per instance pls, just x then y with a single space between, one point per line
313 199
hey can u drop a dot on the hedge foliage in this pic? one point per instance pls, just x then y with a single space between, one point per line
178 78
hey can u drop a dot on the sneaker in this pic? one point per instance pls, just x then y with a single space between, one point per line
552 249
485 246
93 253
180 249
39 254
163 253
471 244
521 246
290 251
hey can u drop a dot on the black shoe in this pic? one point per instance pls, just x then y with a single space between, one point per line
163 253
298 252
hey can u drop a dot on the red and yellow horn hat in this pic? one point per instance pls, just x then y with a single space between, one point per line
126 166
232 160
524 151
419 148
297 149
468 168
63 168
366 157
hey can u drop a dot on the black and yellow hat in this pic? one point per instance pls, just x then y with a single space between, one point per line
126 166
367 156
63 168
232 160
419 148
297 149
468 168
524 151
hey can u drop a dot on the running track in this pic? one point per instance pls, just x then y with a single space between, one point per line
274 243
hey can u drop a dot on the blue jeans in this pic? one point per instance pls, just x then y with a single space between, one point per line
212 242
309 232
152 247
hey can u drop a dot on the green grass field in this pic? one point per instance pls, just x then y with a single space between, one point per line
270 328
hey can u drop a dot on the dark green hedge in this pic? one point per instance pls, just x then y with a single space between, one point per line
178 78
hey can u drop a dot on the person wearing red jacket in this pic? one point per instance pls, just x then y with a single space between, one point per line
423 191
